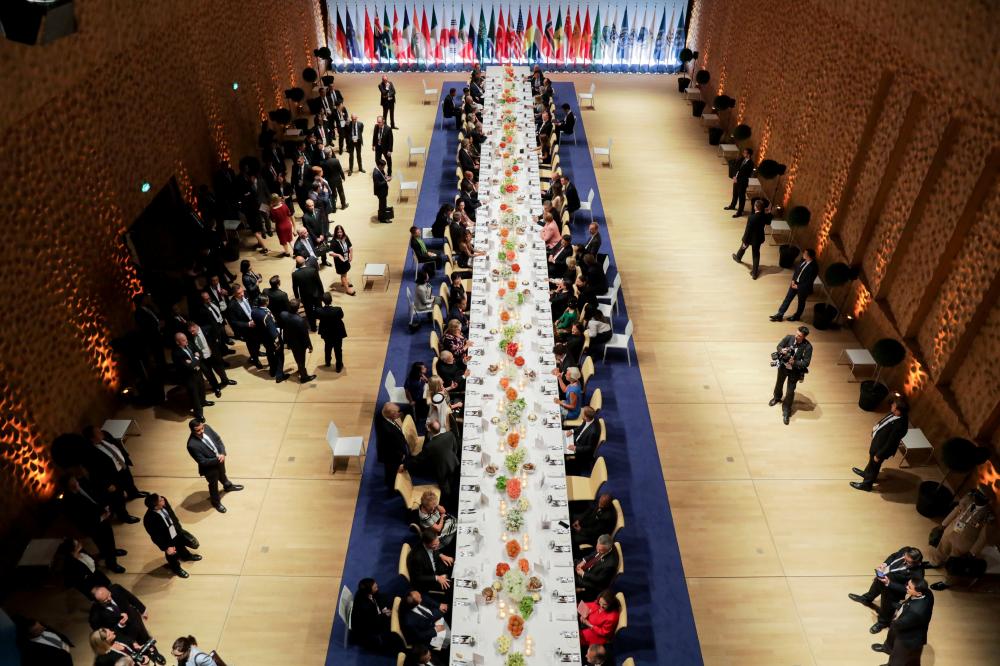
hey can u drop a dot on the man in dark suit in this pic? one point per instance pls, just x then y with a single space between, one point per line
753 235
212 321
585 439
439 458
118 609
595 572
599 519
449 108
208 450
421 621
908 631
390 442
568 124
187 362
593 244
89 511
380 185
558 256
891 586
354 131
307 286
887 435
382 143
430 571
108 465
317 231
295 333
794 353
41 645
333 172
165 530
387 93
269 337
276 298
213 366
466 160
451 372
307 248
240 315
740 182
571 196
150 328
332 330
301 178
370 618
801 286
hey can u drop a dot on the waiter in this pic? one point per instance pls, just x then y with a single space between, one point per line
886 438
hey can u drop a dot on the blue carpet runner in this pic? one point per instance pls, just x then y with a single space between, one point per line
661 627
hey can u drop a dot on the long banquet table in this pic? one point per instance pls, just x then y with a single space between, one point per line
513 517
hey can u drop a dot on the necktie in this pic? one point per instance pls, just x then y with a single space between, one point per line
205 438
246 307
215 313
591 562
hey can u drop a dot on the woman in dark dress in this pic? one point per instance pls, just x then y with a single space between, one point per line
415 386
251 281
343 255
370 619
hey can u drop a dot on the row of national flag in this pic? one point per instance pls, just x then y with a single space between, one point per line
617 37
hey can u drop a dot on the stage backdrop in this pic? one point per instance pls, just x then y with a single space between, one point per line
581 36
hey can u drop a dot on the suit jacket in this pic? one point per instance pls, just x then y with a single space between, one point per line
306 283
802 356
251 285
85 509
265 327
295 332
333 171
898 575
466 161
277 301
157 528
188 363
368 624
239 321
358 128
379 183
384 143
422 574
594 522
753 234
78 575
100 466
598 578
202 453
559 256
593 245
910 628
585 438
301 249
420 250
331 323
389 441
448 109
805 275
35 653
568 123
744 171
107 616
439 457
886 440
387 93
418 628
205 318
572 198
315 225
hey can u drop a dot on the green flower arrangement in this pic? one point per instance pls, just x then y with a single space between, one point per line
515 520
515 659
515 585
501 483
515 410
523 504
503 644
527 607
513 461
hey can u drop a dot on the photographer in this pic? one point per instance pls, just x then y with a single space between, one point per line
792 360
187 652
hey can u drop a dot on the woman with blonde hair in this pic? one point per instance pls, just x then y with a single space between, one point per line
105 641
439 403
453 340
433 516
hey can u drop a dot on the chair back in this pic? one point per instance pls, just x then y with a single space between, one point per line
438 319
409 141
616 284
423 82
587 369
435 343
401 659
610 141
332 434
409 300
596 400
602 438
620 522
394 625
410 433
396 393
628 329
404 486
623 616
607 263
444 292
621 563
434 369
404 568
593 87
599 476
629 662
590 197
345 605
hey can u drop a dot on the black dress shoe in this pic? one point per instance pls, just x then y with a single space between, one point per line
879 647
116 568
940 585
339 367
120 552
860 598
233 488
281 378
308 378
362 171
874 629
737 214
776 317
218 393
219 508
326 365
257 364
230 382
754 274
209 403
793 318
860 485
729 208
344 205
858 471
735 258
130 520
180 573
773 401
785 417
195 557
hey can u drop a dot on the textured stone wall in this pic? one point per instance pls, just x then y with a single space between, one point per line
886 114
142 92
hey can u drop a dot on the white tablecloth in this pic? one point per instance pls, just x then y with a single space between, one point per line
550 632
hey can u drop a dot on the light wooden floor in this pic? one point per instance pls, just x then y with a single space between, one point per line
771 537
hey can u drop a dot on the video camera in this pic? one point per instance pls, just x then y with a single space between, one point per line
780 357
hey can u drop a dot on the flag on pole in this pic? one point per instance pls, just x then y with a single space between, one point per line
529 39
548 45
500 40
659 49
342 49
557 37
429 43
404 37
416 47
539 37
434 36
377 36
452 54
611 50
673 56
639 48
585 39
397 41
481 45
623 38
491 37
369 39
352 44
516 41
597 39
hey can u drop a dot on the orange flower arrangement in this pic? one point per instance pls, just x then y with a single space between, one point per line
504 382
501 291
511 255
502 568
515 625
519 361
505 231
513 439
524 565
512 284
504 316
507 172
503 206
512 393
513 549
516 268
513 492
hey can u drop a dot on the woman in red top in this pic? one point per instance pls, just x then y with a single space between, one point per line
597 626
282 218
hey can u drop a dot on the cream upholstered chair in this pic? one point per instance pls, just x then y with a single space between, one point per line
586 488
413 441
394 625
619 524
620 341
596 402
587 367
410 493
623 616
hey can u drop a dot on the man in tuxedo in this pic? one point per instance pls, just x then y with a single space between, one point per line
423 624
599 519
390 442
439 458
165 530
89 511
908 631
208 450
269 337
109 466
451 372
387 93
332 330
213 366
430 571
307 286
595 572
794 353
354 131
41 645
307 248
380 184
890 585
571 196
276 298
586 436
240 315
295 333
801 286
753 235
333 172
466 160
740 182
382 143
187 362
301 178
545 129
887 435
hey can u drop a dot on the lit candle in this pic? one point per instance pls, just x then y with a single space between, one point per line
503 537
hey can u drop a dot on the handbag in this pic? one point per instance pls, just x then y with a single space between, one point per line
934 538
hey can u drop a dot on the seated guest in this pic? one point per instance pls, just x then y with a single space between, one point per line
451 372
456 312
593 244
453 340
370 619
598 619
430 571
448 107
432 515
421 655
573 341
457 289
464 255
424 623
599 519
572 405
599 328
41 645
560 297
465 217
570 195
420 251
586 295
440 404
597 655
466 160
78 567
423 298
563 361
550 232
570 274
594 271
595 572
559 255
568 317
586 436
568 122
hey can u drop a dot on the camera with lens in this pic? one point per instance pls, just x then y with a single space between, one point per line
780 357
